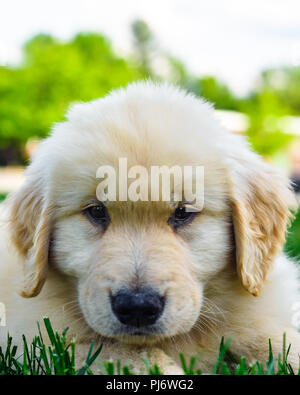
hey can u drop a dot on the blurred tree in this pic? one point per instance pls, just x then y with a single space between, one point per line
215 92
144 45
285 83
179 74
53 75
266 106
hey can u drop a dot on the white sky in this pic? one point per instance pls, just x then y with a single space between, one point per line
232 39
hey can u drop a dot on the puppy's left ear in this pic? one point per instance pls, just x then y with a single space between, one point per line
30 233
261 202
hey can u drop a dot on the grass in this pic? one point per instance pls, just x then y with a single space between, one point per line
38 359
59 358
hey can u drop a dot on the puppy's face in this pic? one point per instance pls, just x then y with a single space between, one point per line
141 267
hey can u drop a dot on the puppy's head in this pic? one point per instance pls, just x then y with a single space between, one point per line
141 267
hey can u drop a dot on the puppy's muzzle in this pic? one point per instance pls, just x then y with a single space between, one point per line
137 308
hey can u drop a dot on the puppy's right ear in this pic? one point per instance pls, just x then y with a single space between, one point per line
30 229
261 202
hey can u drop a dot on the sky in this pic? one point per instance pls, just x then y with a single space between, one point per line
231 39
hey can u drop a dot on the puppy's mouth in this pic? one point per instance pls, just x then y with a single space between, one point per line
139 335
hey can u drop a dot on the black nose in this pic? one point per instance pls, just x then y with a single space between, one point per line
137 308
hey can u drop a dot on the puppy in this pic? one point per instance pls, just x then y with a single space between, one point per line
148 277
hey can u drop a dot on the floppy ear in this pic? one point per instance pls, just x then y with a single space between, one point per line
30 230
261 200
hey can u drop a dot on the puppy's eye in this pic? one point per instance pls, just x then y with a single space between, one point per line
98 214
181 216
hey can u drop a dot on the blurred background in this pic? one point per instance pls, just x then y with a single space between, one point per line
242 56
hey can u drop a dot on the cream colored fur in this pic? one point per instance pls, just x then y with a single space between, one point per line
224 274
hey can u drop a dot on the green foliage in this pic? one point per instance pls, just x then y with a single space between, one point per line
54 74
277 95
284 83
265 109
2 196
59 359
292 247
215 92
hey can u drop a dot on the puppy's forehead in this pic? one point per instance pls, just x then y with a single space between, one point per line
153 130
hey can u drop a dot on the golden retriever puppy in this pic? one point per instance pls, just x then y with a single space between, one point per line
151 276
